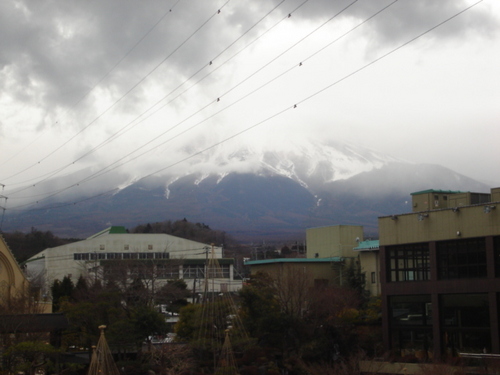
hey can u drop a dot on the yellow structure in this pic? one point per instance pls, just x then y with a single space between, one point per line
13 282
333 241
370 265
330 250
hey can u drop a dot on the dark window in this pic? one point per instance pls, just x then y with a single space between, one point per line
374 277
193 271
465 310
81 256
411 310
496 247
167 271
461 259
408 262
162 255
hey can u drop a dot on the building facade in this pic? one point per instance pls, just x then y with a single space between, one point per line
166 257
330 249
440 275
369 260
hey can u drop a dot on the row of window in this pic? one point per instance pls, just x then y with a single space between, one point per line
106 256
125 247
464 323
456 259
170 271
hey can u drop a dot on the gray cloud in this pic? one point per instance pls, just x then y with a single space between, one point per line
52 53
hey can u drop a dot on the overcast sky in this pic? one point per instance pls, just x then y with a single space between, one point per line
85 83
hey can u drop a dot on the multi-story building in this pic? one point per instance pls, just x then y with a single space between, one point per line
159 257
440 274
330 249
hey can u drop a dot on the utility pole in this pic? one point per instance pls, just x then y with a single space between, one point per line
2 207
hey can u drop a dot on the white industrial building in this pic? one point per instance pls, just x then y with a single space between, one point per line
172 258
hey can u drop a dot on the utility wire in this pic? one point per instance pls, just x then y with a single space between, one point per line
128 126
129 90
89 92
280 112
124 129
108 168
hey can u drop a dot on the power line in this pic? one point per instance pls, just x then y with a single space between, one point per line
90 91
302 101
124 129
106 169
128 91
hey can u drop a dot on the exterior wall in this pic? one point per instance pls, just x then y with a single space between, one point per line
439 199
333 241
444 224
56 263
370 266
320 271
12 279
441 281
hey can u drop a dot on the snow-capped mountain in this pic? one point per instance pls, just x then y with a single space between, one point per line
264 191
309 163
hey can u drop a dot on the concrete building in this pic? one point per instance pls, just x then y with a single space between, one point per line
329 250
369 260
333 241
440 274
319 271
170 257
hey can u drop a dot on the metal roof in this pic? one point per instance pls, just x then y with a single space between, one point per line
110 230
368 245
438 191
294 260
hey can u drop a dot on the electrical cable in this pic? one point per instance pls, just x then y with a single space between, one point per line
124 129
304 100
128 91
92 89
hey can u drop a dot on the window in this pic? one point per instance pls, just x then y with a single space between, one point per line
496 249
408 262
167 271
374 277
162 255
101 247
411 310
81 256
461 259
219 272
150 247
126 247
193 271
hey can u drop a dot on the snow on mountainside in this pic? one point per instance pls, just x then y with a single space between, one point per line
269 191
309 163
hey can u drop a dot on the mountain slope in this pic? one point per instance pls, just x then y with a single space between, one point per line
276 195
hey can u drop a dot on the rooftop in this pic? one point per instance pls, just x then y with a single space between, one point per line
438 192
294 260
367 245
